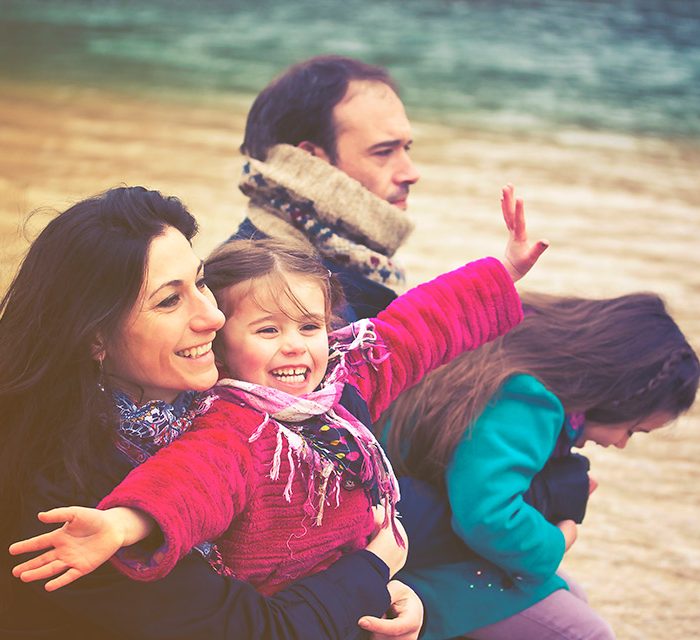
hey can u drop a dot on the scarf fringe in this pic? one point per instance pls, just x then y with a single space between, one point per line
357 338
323 482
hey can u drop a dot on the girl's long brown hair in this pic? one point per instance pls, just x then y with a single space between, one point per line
615 359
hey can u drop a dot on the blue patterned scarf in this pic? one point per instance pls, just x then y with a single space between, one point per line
145 429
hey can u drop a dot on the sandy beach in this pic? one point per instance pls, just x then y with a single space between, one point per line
622 214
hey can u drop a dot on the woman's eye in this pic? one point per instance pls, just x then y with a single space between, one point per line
202 284
170 301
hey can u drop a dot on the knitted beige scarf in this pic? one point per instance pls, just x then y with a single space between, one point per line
296 194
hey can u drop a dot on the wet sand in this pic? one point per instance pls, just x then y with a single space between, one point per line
622 214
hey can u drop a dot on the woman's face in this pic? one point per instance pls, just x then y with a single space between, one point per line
164 346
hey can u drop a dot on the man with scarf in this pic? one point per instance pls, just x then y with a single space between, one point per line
327 146
327 162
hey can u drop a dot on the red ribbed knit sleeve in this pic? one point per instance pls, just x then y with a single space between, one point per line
433 323
192 488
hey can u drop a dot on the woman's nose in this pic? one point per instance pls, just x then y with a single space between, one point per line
207 317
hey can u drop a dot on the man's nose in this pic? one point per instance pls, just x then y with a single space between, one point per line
407 172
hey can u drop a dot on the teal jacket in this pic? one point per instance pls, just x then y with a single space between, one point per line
513 552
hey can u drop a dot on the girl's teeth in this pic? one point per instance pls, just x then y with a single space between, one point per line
293 374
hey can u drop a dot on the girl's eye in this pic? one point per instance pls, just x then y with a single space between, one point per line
310 327
202 284
170 301
267 330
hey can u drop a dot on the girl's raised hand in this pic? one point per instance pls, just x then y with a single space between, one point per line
520 255
87 539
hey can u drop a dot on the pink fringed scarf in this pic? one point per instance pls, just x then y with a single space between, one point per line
322 435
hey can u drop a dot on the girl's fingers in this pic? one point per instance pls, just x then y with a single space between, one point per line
60 514
37 543
34 563
46 571
507 206
534 254
69 576
518 221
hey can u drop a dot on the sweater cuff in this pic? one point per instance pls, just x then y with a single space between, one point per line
361 577
510 309
148 560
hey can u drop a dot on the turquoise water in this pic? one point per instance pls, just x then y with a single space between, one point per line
631 66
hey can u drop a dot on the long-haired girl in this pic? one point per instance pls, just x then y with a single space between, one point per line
489 427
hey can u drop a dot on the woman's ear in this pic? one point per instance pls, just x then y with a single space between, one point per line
97 349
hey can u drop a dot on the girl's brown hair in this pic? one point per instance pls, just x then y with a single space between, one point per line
615 360
269 261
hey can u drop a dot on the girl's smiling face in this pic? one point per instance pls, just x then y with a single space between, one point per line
270 340
619 434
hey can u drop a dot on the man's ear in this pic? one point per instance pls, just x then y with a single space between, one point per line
314 150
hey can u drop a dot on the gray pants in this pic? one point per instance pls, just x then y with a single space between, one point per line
563 615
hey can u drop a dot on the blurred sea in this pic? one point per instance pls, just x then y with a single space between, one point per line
629 67
591 108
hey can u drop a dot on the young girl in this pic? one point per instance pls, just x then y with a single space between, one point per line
574 371
111 297
299 471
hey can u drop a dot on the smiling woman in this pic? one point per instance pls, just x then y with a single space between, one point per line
164 345
107 328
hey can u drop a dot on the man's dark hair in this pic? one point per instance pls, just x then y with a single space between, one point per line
298 105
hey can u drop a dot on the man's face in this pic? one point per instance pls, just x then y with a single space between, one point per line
373 139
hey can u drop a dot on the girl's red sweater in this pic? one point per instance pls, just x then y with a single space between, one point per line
212 483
